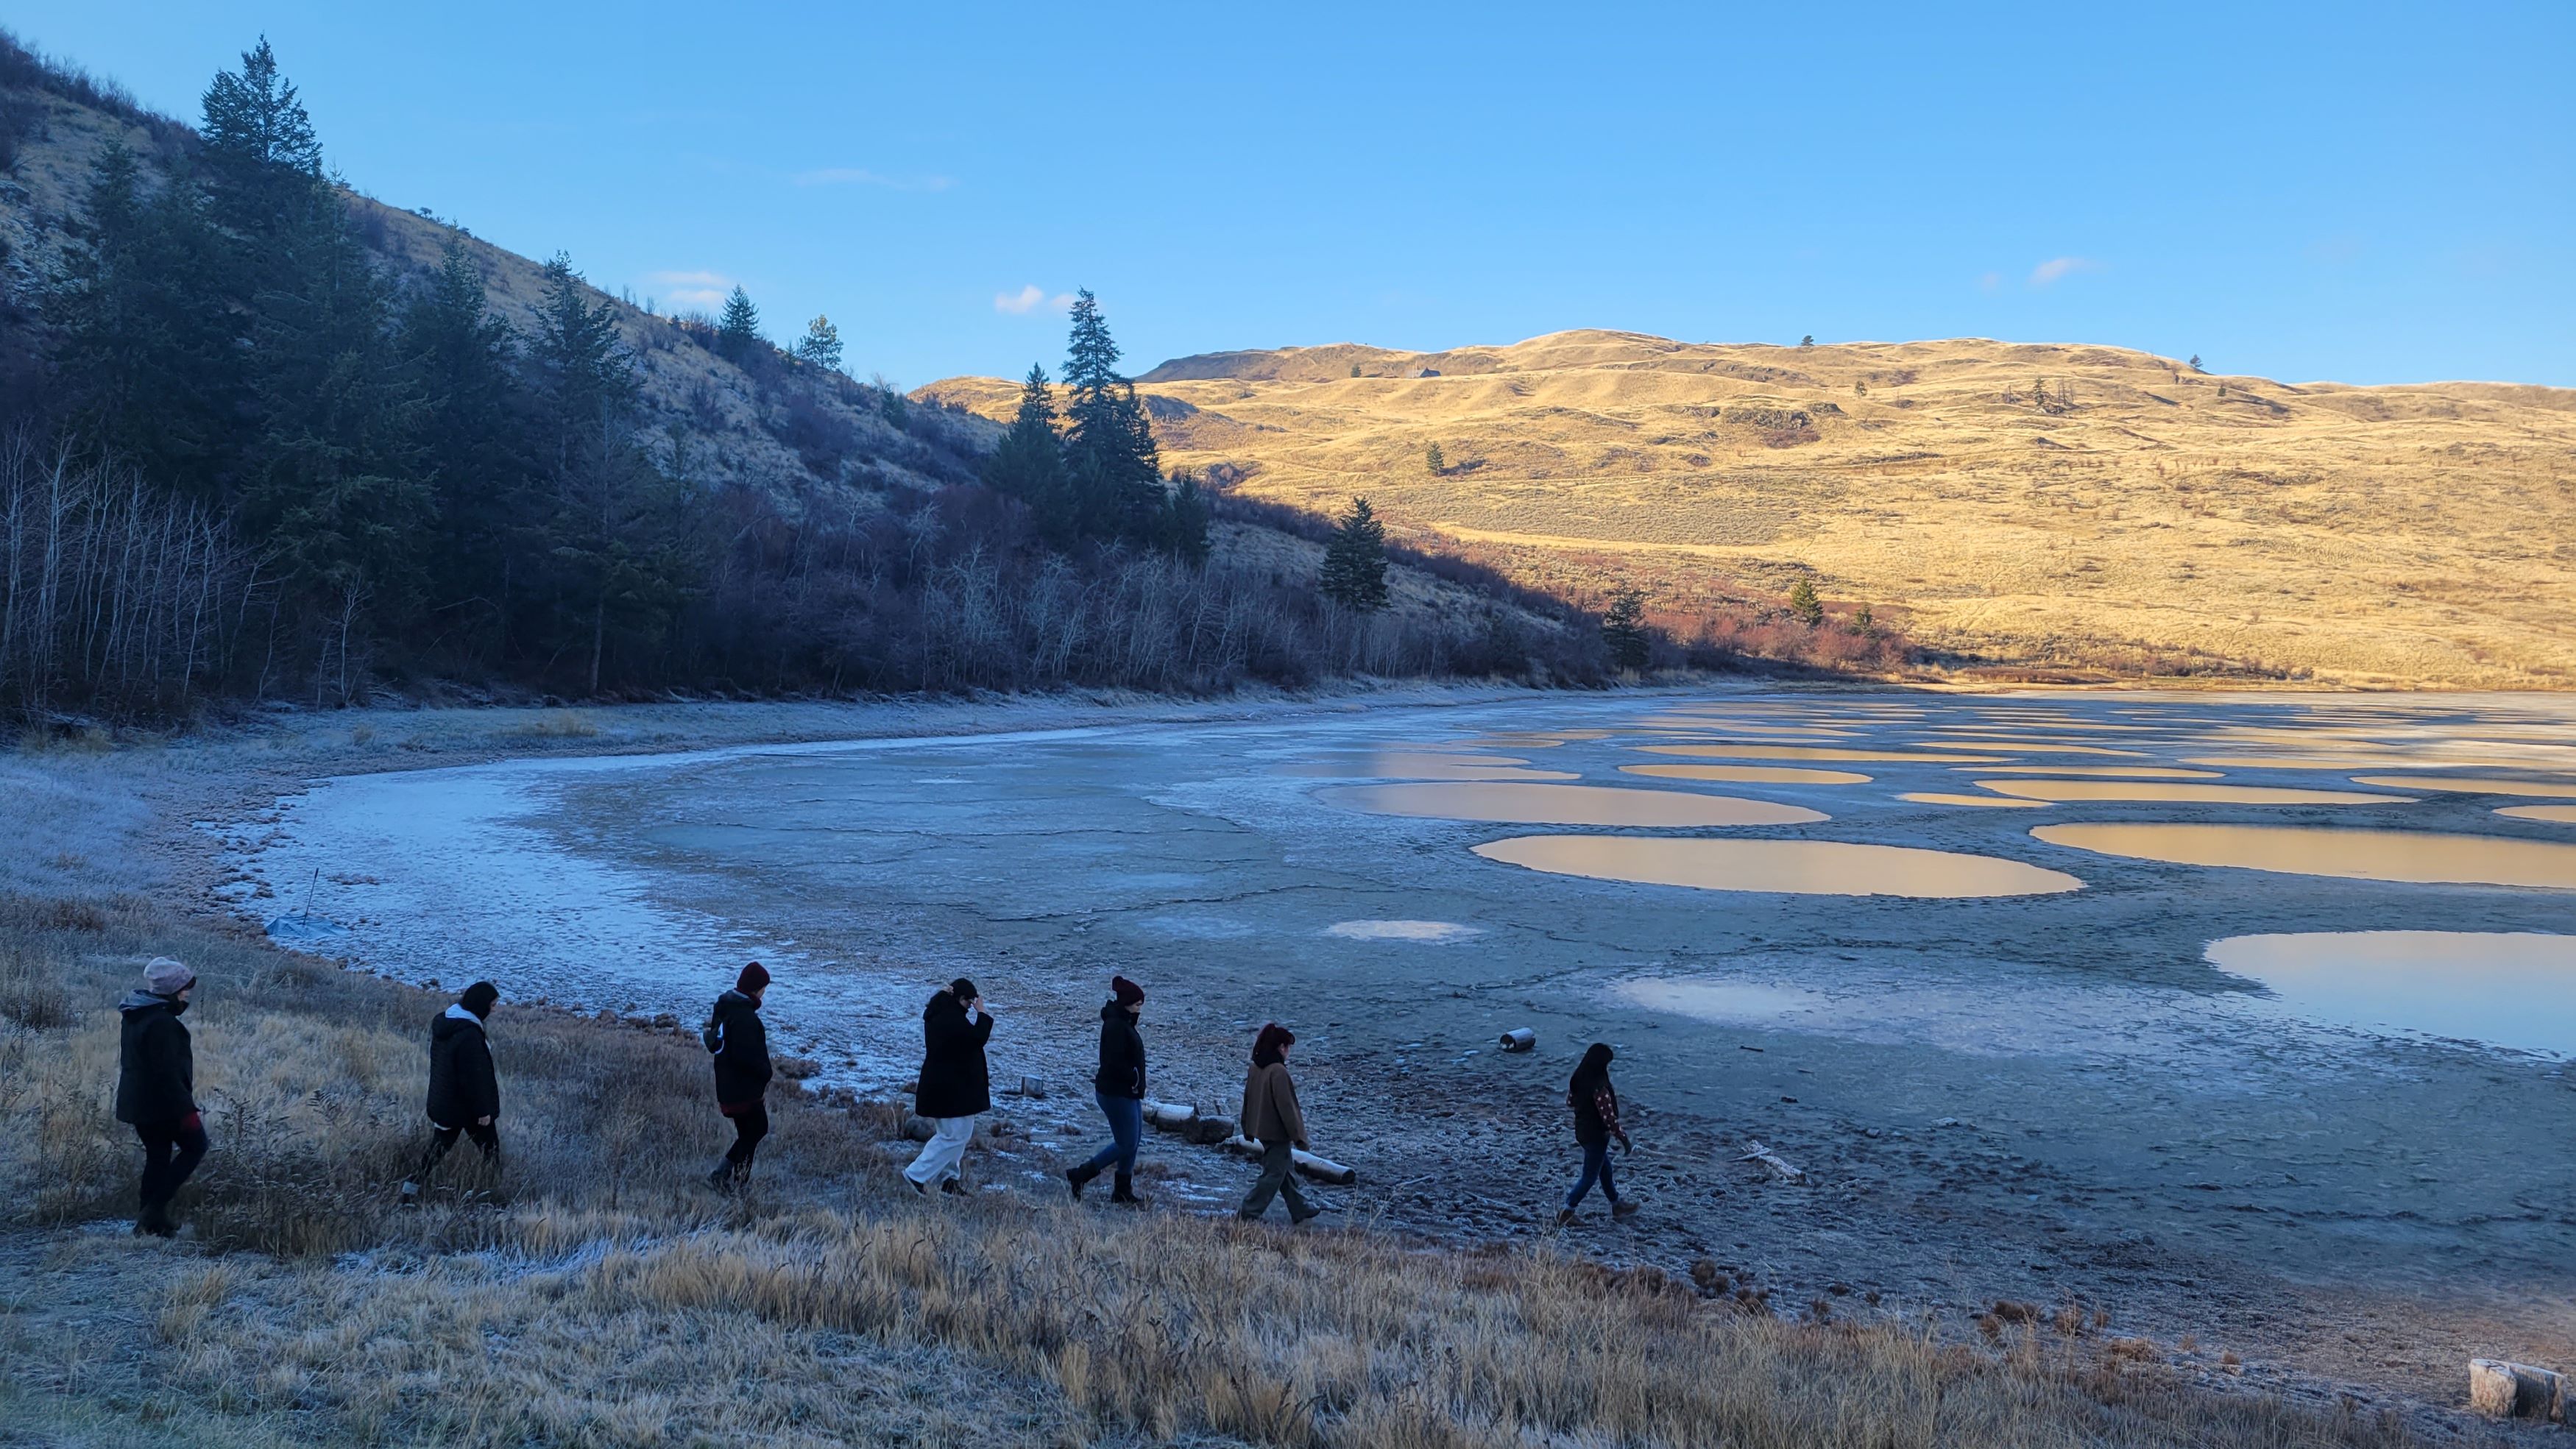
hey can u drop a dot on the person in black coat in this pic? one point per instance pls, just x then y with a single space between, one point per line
955 1086
464 1092
738 1041
1119 1087
156 1086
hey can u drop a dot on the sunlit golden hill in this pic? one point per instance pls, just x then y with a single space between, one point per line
2082 507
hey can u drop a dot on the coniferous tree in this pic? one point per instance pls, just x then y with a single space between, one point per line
1113 468
1803 603
1185 519
474 452
738 331
821 345
1432 459
1354 574
1028 463
146 337
619 529
1623 629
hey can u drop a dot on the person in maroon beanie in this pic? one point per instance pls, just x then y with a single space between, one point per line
739 1043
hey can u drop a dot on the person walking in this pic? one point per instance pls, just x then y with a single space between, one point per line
156 1089
1119 1087
1596 1123
738 1041
955 1086
464 1093
1271 1118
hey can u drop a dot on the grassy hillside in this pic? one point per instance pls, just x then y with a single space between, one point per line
2127 514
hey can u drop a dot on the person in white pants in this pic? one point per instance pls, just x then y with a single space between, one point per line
955 1086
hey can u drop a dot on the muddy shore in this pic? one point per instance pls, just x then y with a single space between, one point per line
2336 1222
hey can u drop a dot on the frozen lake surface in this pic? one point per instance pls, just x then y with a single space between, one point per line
1786 910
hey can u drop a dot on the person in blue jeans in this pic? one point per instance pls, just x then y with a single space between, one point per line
1119 1087
1596 1123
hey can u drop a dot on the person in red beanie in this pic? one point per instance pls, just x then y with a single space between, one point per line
1119 1087
1271 1118
739 1043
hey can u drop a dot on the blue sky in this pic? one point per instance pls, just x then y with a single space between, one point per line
2365 193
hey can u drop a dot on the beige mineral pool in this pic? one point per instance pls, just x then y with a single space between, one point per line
1817 752
2389 855
1793 867
1944 797
2536 789
2182 793
1746 774
2504 988
2125 772
1565 805
2556 814
2020 746
1418 765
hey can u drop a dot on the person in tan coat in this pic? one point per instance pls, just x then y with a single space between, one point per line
1271 1118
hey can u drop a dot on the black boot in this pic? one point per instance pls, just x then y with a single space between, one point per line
724 1178
1079 1178
155 1221
1125 1191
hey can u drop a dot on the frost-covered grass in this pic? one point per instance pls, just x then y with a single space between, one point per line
596 1293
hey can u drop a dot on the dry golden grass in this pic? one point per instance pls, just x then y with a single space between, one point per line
2158 519
592 1293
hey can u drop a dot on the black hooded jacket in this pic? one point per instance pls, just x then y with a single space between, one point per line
954 1080
741 1045
462 1087
1122 1054
156 1068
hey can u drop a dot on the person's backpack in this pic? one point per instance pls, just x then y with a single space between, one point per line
712 1034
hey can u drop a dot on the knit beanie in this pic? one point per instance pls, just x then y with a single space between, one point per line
166 976
754 977
1127 992
963 989
479 998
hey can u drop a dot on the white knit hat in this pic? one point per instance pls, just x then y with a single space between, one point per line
166 976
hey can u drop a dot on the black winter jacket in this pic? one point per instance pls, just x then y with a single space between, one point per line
1122 1054
954 1080
741 1045
156 1068
462 1087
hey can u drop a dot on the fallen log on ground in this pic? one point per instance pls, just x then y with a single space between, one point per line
1773 1161
1321 1169
2502 1390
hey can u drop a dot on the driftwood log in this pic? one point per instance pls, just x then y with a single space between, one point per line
1321 1169
2502 1390
1773 1161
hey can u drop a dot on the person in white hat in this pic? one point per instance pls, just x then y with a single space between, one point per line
156 1078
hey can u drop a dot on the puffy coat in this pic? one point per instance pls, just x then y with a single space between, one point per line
954 1080
1122 1054
1270 1112
740 1042
462 1087
156 1068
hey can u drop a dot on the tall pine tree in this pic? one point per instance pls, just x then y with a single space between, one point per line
474 453
1111 464
1354 574
738 331
1028 464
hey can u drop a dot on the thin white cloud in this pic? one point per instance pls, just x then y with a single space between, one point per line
1028 299
861 176
2056 269
683 291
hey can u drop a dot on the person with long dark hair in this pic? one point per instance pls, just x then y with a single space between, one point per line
1596 1124
1119 1086
736 1038
1271 1117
